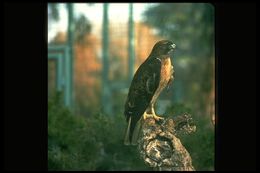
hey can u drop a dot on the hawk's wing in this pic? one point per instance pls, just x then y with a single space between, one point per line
144 84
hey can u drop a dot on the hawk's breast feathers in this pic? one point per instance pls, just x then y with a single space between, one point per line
165 77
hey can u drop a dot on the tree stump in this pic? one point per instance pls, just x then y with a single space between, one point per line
161 149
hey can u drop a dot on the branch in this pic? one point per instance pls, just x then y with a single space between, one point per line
161 149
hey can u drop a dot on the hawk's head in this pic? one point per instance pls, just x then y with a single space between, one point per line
163 47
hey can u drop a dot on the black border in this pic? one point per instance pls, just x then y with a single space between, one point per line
236 86
25 91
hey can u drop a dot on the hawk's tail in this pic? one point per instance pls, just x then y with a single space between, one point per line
132 132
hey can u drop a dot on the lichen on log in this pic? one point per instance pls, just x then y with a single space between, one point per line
160 146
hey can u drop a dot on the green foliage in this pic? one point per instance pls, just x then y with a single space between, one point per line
96 142
54 11
189 25
82 27
177 109
201 144
92 143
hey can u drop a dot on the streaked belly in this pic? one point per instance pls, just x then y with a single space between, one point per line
164 78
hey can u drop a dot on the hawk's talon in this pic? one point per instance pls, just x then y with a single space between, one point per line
146 115
154 116
157 118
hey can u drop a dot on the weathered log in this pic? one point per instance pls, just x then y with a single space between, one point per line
160 147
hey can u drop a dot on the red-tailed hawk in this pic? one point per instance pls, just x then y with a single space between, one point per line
150 79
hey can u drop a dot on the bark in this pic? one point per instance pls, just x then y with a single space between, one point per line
160 146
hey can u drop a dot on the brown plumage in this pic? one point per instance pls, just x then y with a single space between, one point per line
154 74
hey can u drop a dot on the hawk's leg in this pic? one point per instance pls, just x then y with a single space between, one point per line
156 117
146 115
151 113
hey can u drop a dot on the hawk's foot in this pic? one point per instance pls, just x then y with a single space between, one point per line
157 118
153 115
146 115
